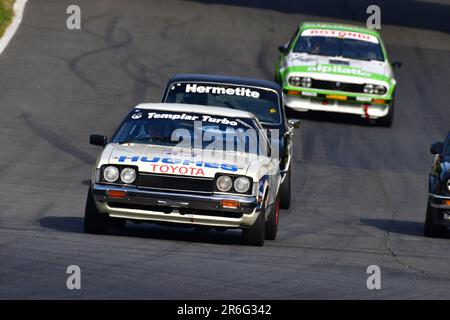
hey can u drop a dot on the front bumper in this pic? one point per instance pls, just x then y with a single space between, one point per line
185 208
441 206
372 111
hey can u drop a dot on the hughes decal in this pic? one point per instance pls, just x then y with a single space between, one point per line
178 166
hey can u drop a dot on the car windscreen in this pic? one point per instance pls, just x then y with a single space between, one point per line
264 103
339 47
191 130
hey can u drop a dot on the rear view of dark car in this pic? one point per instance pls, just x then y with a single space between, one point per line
260 97
438 208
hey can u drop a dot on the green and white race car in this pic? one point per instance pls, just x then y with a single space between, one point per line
338 68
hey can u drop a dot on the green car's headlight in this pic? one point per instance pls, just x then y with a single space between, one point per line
368 88
380 90
294 81
375 89
304 82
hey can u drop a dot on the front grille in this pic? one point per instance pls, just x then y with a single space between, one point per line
338 86
182 211
136 206
175 182
214 213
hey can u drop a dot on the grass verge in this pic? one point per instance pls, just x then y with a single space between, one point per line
6 14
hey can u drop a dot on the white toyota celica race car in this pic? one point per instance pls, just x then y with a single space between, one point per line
181 164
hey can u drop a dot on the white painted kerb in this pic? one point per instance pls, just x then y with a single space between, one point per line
19 6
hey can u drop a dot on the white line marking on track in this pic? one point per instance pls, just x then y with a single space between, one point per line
19 7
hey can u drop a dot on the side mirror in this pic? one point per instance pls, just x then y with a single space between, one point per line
98 140
283 49
396 64
436 148
294 123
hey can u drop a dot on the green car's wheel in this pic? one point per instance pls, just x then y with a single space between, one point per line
389 118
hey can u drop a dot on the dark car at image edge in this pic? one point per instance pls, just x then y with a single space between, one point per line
438 208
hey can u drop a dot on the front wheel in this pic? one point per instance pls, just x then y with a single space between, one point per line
285 191
271 227
387 120
254 236
96 222
431 229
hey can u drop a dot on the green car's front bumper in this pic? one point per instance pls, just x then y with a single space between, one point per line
341 102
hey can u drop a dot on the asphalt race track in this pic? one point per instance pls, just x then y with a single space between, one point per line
359 191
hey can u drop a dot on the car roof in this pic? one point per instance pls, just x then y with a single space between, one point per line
195 108
338 26
226 80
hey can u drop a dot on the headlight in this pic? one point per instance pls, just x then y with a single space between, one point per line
374 89
111 174
369 88
294 81
242 184
380 90
128 175
300 81
306 82
448 184
224 183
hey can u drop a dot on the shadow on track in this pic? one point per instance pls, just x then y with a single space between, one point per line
330 117
405 13
147 231
410 228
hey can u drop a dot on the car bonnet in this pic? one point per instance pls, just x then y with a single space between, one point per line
178 161
306 63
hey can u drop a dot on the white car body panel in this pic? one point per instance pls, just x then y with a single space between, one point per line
187 162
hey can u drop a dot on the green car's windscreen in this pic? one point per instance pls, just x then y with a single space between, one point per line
337 47
262 103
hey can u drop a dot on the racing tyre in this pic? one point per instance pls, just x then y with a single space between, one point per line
116 223
271 226
388 119
254 236
431 229
94 221
285 192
